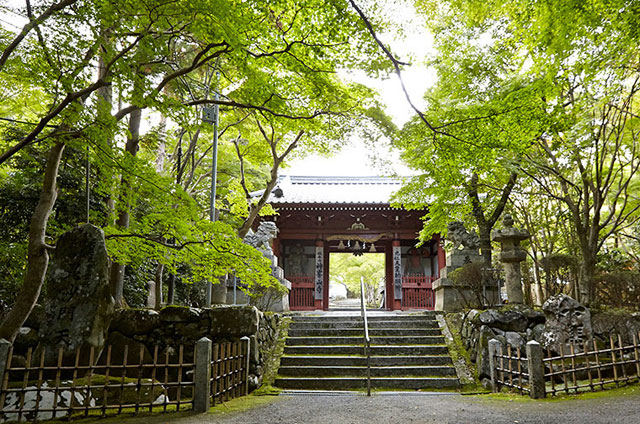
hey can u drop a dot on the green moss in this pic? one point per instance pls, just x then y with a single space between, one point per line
459 354
242 404
600 394
266 390
273 355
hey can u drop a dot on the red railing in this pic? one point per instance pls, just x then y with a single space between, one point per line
417 292
302 294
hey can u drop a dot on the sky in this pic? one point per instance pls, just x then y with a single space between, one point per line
356 159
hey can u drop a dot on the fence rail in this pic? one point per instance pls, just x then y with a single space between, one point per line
45 385
512 369
593 367
586 367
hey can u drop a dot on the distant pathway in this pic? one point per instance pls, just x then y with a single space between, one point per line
387 408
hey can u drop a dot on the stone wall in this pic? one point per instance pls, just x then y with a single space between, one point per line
515 326
511 326
178 325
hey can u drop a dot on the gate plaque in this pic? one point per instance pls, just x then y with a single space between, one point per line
319 271
397 273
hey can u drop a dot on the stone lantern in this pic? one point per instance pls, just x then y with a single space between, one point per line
511 255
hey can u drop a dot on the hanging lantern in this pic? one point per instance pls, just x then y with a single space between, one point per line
341 245
373 248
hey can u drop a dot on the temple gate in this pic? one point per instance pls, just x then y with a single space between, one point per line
322 215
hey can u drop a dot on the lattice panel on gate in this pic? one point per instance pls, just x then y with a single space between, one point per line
417 292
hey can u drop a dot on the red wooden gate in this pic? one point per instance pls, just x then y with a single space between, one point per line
302 294
417 292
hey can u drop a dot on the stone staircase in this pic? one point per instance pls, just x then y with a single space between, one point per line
326 353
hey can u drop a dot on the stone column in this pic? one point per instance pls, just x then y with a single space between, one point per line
319 273
202 376
511 255
494 346
247 352
535 357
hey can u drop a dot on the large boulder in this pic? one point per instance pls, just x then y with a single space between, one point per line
510 320
567 323
233 321
132 322
176 313
482 358
78 305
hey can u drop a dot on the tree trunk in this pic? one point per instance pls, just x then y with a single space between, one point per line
158 287
171 289
586 277
117 270
37 254
254 210
485 244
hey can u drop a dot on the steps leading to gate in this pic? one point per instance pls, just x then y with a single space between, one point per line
326 353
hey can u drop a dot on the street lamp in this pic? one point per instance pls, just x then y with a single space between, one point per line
211 115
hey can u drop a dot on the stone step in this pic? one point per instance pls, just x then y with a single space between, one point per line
361 361
359 331
330 318
342 383
360 371
384 340
358 324
375 350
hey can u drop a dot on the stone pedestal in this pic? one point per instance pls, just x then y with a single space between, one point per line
218 294
450 297
511 255
280 303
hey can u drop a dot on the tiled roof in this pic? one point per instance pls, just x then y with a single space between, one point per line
362 190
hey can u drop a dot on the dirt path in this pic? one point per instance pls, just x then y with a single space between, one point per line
621 406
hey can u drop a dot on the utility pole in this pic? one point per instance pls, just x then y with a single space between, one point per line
211 115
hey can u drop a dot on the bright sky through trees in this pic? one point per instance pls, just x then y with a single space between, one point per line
356 159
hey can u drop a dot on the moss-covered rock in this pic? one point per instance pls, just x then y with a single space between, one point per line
132 322
175 313
232 321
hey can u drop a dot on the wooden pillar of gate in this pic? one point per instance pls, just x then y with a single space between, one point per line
442 258
388 288
397 274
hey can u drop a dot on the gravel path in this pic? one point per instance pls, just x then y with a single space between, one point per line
388 408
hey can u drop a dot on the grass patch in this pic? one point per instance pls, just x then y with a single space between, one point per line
241 404
266 390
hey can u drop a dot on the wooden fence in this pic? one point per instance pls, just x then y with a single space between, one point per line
67 384
587 367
